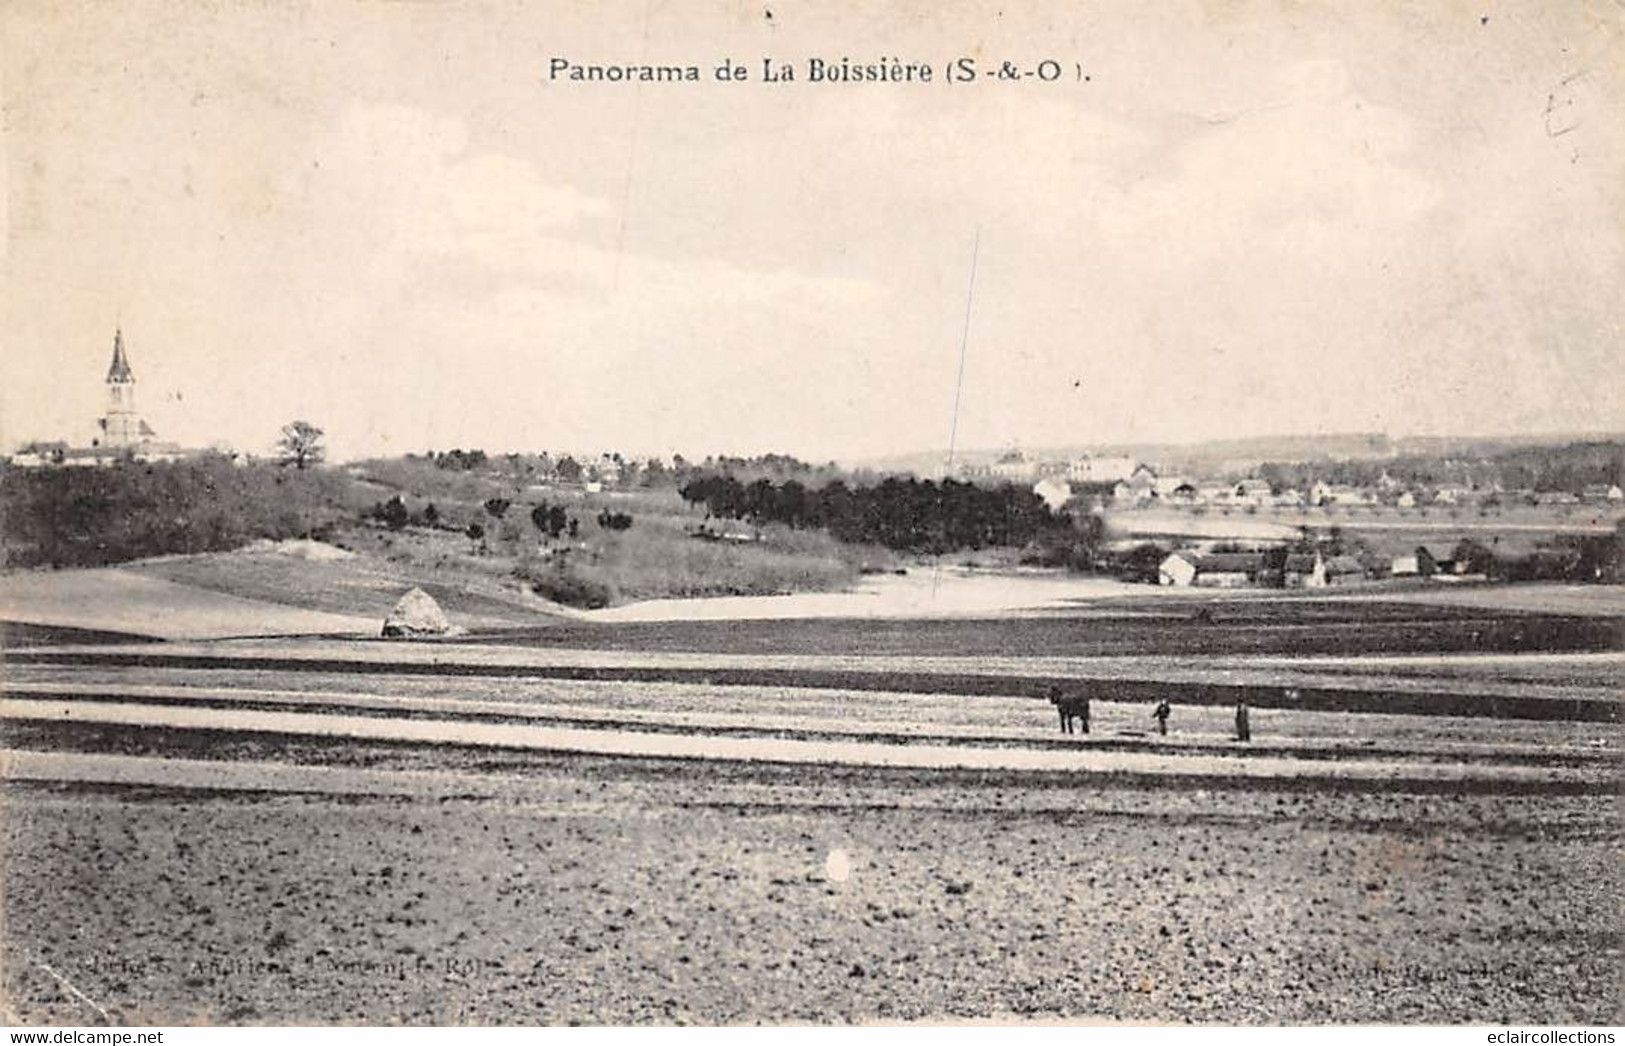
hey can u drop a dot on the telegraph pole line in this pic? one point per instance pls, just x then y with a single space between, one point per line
959 386
964 346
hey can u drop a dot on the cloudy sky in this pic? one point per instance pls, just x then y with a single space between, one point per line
384 218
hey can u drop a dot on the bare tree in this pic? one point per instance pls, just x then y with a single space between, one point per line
301 444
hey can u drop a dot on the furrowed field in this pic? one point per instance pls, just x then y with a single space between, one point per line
828 820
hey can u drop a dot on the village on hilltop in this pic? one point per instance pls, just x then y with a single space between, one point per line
1123 481
123 434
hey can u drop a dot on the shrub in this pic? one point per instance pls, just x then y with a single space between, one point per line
391 513
562 584
549 519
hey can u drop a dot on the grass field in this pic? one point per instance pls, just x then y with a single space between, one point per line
114 600
656 558
363 585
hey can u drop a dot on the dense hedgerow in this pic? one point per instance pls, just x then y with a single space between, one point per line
80 517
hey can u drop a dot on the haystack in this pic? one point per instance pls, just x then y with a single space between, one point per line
417 614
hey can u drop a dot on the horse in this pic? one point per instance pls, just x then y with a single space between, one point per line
1071 707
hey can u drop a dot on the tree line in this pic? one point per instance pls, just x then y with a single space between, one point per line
630 472
1569 468
907 515
86 517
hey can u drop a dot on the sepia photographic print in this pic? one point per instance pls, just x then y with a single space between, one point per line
706 512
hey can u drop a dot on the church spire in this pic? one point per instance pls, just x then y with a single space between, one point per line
120 370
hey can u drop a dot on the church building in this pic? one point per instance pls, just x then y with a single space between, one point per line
122 428
122 433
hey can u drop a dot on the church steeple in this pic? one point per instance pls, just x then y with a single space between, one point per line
122 427
119 372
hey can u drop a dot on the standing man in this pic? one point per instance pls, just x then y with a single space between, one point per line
1244 729
1162 713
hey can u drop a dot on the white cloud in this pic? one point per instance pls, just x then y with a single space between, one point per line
384 222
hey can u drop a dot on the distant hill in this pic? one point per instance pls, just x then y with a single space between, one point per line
1215 457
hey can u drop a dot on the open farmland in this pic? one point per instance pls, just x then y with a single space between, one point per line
612 892
1164 627
826 820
